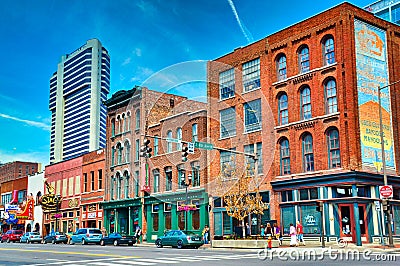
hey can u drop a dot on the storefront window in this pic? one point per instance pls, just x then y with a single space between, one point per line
287 195
308 193
196 220
396 219
310 219
227 224
343 192
181 220
288 217
168 223
154 216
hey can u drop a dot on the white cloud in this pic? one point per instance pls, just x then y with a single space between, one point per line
127 61
27 122
138 52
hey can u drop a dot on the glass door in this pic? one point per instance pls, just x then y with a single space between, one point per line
347 223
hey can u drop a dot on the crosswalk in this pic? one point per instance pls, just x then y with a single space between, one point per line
149 261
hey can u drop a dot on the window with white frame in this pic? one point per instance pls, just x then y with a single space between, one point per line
281 67
137 118
284 157
194 133
137 150
329 51
250 160
304 59
156 180
305 100
169 144
333 148
127 151
156 146
308 154
330 96
168 178
227 84
283 109
179 138
251 75
228 122
195 173
227 163
252 116
126 180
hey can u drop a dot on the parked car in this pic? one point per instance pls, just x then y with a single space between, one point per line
117 239
31 237
12 236
86 236
55 238
179 239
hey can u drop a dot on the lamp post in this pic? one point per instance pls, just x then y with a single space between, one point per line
387 211
186 185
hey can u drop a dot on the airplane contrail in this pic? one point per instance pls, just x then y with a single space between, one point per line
243 28
28 122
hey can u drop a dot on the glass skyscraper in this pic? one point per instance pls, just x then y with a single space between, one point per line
386 9
77 91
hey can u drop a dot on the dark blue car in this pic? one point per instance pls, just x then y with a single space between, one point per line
117 239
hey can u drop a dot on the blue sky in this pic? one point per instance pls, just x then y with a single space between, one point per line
163 44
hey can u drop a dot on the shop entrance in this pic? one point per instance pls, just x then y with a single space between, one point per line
348 223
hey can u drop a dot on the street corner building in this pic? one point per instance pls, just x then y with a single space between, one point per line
306 100
143 187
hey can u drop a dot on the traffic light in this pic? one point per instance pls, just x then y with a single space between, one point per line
145 150
184 153
320 206
385 205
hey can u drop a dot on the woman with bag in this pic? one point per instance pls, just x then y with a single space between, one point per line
293 236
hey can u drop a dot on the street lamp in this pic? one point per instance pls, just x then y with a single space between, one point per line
387 211
186 185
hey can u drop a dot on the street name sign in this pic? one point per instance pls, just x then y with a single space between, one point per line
203 145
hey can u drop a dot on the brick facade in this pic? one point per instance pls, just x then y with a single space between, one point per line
336 23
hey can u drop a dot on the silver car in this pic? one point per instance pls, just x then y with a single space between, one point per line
31 237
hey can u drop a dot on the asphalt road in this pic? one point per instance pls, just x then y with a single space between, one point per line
60 254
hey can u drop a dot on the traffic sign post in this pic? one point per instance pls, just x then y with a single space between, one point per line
386 191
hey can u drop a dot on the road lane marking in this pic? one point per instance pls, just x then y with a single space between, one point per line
118 264
157 261
71 253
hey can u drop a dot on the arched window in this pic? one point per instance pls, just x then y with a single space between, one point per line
308 154
179 137
181 176
169 144
137 116
128 121
281 67
194 133
333 148
112 186
285 157
330 96
112 156
127 151
112 127
195 173
304 59
119 124
123 123
305 100
126 180
168 178
156 180
283 109
156 146
329 51
119 153
119 183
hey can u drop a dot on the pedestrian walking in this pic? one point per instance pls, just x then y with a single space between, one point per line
138 233
104 231
299 230
268 230
278 233
262 233
206 232
293 236
247 229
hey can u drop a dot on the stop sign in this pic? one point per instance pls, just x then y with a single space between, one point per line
386 191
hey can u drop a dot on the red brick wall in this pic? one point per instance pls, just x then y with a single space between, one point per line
337 22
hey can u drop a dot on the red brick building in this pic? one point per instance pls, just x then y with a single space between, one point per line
14 170
169 175
306 96
64 179
92 188
129 115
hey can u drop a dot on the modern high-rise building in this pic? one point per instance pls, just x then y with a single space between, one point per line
386 9
77 90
